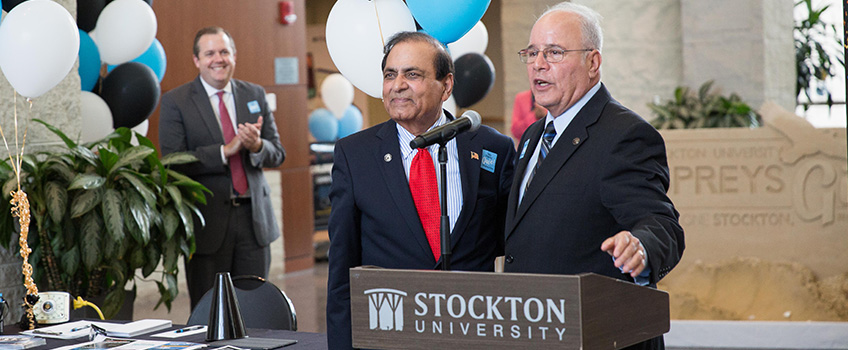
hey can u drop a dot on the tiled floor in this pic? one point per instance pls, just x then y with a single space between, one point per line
307 289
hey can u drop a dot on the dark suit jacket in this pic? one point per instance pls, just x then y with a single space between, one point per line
188 123
374 221
606 173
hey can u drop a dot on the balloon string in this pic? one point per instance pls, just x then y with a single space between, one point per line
17 154
11 160
20 209
23 144
379 28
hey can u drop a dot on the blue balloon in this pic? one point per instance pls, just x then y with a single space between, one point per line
447 20
89 62
154 58
350 122
323 125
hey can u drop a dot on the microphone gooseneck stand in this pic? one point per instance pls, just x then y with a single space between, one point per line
444 227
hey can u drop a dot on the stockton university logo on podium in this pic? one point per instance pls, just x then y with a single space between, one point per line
385 309
421 309
465 315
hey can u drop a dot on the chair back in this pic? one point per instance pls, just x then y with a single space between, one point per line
261 303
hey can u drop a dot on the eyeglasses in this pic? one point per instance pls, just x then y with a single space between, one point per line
551 54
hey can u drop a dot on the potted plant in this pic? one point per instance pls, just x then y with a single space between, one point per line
817 52
707 109
102 211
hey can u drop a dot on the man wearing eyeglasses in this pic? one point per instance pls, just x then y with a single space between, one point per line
590 186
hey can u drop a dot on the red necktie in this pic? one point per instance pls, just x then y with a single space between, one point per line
236 168
422 184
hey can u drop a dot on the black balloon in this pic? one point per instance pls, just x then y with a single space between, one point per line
87 13
149 2
475 75
98 86
132 92
8 5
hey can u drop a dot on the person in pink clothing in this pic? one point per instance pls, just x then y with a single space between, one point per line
525 111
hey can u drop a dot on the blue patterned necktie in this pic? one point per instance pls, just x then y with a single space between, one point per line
547 143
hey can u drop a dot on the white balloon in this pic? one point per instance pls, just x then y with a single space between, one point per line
141 129
337 94
475 41
125 29
355 42
96 117
39 43
450 105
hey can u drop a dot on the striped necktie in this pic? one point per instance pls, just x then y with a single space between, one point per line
547 143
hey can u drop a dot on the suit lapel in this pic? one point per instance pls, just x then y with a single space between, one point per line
535 132
395 179
240 100
469 174
574 136
204 109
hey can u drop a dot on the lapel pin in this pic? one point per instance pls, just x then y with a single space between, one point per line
474 155
575 141
387 158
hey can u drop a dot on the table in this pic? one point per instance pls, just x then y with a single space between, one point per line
305 340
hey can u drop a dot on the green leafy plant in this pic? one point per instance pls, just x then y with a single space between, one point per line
705 110
102 211
814 63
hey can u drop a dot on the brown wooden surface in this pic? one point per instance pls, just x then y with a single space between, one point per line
298 218
610 306
259 38
593 311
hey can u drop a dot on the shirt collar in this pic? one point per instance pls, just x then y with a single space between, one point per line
405 136
211 91
562 120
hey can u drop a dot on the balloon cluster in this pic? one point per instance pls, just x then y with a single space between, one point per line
357 30
122 35
340 118
39 43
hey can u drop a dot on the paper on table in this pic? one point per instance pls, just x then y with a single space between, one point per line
176 334
120 343
62 331
133 329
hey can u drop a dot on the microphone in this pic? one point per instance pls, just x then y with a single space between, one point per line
469 121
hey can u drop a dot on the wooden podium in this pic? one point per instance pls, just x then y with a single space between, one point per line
412 309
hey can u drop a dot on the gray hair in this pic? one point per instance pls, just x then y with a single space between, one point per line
590 23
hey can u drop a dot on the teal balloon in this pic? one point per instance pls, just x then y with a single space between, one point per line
323 125
350 122
447 20
89 62
154 58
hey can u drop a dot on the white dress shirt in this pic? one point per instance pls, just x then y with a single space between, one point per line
229 101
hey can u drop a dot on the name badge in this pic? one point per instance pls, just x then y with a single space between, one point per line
524 149
253 106
488 162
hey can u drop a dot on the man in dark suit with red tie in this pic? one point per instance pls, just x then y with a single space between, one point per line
385 206
591 179
227 125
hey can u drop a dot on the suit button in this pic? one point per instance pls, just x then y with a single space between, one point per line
509 259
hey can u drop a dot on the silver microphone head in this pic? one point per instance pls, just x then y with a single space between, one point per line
475 119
